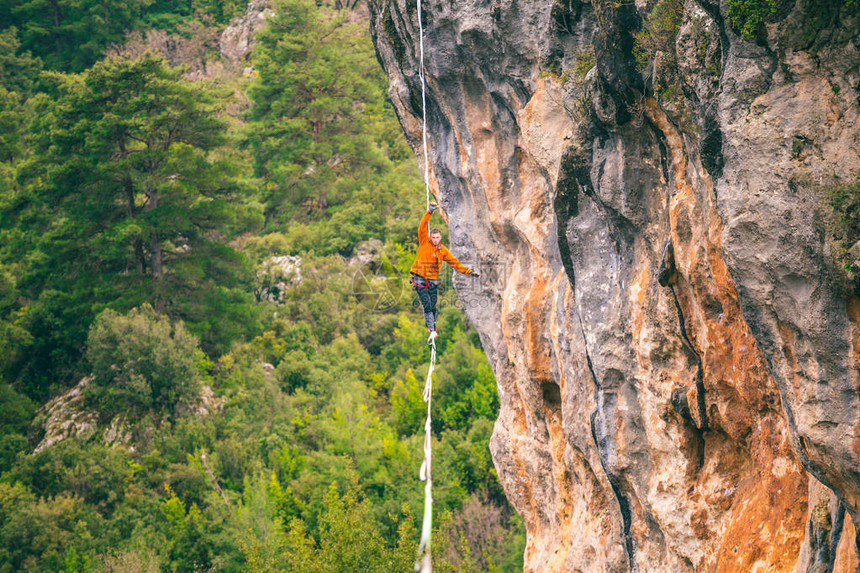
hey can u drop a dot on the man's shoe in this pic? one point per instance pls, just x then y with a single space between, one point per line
433 336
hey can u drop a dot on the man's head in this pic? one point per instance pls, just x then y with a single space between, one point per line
435 237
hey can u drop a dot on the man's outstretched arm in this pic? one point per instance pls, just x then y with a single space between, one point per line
455 264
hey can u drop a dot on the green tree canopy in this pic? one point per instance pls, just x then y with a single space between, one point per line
318 94
129 203
18 70
71 34
141 361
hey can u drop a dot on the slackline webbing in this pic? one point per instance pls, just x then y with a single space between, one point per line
423 563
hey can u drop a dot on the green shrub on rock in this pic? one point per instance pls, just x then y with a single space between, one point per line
141 361
845 202
659 32
844 227
748 16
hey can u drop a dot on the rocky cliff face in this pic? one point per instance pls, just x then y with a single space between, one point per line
676 346
238 39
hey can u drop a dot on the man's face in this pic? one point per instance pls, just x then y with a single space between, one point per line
435 238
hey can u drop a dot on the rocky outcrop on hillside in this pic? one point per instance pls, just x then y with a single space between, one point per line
676 343
68 415
238 39
276 275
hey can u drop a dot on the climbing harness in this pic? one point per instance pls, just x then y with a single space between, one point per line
415 284
423 563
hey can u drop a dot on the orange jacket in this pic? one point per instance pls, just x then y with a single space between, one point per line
429 259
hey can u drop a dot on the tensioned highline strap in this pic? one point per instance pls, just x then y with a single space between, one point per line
423 563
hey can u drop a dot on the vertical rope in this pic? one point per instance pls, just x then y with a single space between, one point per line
423 105
423 563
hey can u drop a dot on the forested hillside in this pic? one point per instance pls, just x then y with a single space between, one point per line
211 359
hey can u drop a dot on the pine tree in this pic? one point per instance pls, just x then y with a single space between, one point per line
133 207
70 35
318 84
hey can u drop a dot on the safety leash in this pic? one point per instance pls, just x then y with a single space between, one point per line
423 563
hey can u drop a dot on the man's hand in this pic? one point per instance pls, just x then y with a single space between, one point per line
432 207
475 275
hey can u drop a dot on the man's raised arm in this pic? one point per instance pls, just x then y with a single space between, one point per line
423 233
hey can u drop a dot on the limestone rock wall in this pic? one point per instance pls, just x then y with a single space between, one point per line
676 347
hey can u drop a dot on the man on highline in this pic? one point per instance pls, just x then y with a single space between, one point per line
425 269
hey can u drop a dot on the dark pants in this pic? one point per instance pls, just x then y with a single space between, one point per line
426 290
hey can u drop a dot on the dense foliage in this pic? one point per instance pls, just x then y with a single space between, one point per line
321 134
748 17
222 428
71 35
123 200
141 362
654 47
842 215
